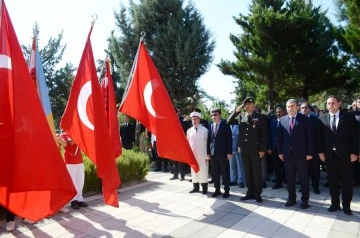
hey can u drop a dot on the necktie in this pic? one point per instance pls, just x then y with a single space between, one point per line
215 129
292 124
333 124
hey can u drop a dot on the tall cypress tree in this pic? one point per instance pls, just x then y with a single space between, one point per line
179 42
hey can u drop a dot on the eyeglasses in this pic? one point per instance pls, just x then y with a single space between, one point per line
214 115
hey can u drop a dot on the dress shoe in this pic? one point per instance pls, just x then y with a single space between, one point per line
326 184
290 203
157 170
194 191
264 185
304 205
232 184
173 178
241 185
347 211
216 193
277 186
182 179
211 181
10 226
247 197
334 208
316 191
83 204
226 194
259 199
75 205
204 192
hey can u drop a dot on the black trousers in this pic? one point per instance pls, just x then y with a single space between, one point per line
279 169
302 166
159 160
253 176
314 171
340 172
179 167
220 166
9 215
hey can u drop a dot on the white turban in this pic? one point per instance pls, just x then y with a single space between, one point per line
195 114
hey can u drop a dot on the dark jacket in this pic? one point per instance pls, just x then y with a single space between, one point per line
345 141
300 142
221 142
253 136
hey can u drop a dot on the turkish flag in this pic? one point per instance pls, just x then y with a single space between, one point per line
84 121
108 93
148 101
34 181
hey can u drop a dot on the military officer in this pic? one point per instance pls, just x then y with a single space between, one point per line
253 144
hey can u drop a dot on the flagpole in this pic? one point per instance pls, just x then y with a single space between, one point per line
132 69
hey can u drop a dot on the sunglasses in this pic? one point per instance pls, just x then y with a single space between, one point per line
214 115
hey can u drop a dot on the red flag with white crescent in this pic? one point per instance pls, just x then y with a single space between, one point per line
34 181
84 121
148 101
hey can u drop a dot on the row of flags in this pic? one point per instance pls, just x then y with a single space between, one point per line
34 182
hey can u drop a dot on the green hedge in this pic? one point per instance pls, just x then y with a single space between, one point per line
132 166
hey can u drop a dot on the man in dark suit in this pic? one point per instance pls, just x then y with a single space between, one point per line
314 163
253 143
295 148
127 133
338 147
278 164
219 151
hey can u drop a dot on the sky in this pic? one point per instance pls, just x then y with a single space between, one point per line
73 17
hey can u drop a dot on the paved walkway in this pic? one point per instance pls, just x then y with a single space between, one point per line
163 208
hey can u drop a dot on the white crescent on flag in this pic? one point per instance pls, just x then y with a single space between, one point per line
148 91
5 62
83 98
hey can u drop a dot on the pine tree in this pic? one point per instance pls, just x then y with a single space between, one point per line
288 49
180 44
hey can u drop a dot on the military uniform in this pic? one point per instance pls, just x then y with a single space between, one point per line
252 139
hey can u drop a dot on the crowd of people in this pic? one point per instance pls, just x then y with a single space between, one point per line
293 142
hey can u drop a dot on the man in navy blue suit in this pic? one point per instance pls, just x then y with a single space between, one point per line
295 148
219 151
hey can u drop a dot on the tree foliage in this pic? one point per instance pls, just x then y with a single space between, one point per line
177 39
288 49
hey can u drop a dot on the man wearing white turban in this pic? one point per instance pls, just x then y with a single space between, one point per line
197 137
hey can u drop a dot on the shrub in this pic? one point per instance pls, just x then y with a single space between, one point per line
132 166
